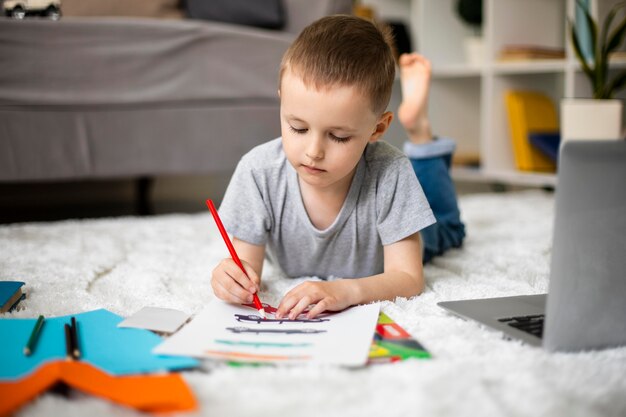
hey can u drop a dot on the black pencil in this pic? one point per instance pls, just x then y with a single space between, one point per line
68 342
30 346
75 347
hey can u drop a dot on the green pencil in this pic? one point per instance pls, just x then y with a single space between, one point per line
30 346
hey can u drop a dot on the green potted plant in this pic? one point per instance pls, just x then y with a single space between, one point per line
601 116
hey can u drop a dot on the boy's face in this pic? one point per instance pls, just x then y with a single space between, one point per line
324 132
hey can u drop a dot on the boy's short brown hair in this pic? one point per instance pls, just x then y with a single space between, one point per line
347 51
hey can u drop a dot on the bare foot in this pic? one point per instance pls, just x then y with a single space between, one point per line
413 111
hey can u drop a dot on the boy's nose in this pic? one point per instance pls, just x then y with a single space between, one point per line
314 156
315 149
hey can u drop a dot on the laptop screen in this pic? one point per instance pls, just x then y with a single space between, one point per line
588 271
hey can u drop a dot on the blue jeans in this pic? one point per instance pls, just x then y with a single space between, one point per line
431 163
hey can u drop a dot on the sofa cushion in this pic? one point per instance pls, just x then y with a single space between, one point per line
111 61
167 9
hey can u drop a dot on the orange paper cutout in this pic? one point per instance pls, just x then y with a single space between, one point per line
153 393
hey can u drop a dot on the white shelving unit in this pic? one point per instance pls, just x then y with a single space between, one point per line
467 100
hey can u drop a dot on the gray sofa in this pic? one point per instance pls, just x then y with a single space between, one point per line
85 98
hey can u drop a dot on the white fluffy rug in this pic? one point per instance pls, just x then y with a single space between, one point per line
125 264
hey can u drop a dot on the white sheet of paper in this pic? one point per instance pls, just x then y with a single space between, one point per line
158 319
230 332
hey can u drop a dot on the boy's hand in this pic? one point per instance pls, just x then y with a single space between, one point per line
333 296
232 285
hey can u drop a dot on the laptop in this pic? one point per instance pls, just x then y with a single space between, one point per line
585 307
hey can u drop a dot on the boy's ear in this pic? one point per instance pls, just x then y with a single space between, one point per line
381 126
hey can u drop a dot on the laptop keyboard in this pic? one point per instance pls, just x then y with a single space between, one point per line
529 324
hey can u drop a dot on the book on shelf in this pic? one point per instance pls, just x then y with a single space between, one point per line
531 112
547 142
529 52
466 160
617 56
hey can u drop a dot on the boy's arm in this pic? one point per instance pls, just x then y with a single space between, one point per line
402 277
252 254
228 281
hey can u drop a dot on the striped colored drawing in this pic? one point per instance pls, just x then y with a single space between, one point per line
254 357
262 344
272 310
259 319
282 331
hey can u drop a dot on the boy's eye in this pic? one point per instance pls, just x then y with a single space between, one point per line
298 131
339 138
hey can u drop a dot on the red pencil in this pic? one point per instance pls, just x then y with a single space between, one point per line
233 254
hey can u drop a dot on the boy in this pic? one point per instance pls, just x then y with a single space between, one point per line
326 198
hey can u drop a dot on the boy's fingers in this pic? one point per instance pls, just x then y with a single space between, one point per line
233 291
320 307
217 290
216 283
253 276
221 292
287 303
300 307
243 296
230 284
237 275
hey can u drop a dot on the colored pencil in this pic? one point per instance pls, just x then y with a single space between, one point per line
233 253
74 334
68 342
34 335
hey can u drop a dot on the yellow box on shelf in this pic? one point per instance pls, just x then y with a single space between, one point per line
530 112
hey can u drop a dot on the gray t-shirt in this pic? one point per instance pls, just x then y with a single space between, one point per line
385 204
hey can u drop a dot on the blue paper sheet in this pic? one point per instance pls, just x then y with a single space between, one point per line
117 351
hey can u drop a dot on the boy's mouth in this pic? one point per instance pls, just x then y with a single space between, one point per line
312 170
